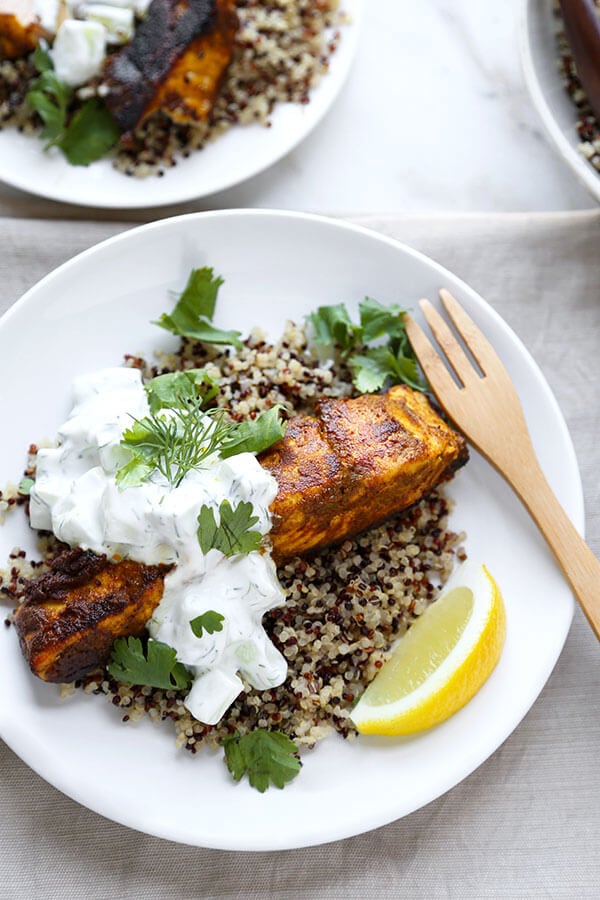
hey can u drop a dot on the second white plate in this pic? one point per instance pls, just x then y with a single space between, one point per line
237 155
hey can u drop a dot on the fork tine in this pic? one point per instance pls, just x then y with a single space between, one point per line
430 361
452 350
478 345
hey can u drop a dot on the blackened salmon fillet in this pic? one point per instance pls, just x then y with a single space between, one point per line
133 74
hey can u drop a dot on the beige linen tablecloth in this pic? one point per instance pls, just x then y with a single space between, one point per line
527 822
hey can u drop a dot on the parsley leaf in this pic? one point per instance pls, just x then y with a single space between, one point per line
193 312
266 757
210 621
158 667
254 435
234 532
90 134
372 366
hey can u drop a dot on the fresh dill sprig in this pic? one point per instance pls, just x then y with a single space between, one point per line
178 434
172 442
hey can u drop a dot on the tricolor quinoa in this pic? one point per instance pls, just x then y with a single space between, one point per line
282 50
345 605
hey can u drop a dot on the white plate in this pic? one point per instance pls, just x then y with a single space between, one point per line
277 265
557 111
240 153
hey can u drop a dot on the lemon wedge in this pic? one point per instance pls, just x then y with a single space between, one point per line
441 662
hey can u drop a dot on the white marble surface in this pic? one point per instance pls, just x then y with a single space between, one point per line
434 117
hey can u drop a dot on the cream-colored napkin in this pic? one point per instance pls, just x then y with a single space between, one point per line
526 823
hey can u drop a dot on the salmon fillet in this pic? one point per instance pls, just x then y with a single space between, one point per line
175 62
356 463
190 90
72 615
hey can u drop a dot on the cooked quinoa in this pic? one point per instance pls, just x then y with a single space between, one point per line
282 49
588 127
345 606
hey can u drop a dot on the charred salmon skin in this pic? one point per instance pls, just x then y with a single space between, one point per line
175 62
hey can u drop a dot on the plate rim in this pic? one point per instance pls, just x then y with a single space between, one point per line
16 738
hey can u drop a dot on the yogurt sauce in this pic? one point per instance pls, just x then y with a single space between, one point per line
76 496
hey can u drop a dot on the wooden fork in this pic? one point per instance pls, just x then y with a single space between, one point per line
486 408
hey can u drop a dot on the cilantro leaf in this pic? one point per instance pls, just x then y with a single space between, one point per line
254 435
372 366
333 325
158 667
91 131
194 310
50 97
41 58
265 757
133 473
378 320
179 389
209 621
370 371
90 134
234 532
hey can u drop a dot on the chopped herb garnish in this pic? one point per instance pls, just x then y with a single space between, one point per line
25 486
178 389
85 136
172 442
194 310
254 435
333 325
90 134
50 98
266 757
157 667
233 533
179 433
372 366
210 621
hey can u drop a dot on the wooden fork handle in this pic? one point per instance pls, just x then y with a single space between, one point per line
578 563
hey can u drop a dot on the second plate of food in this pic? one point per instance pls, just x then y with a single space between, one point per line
294 51
276 267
